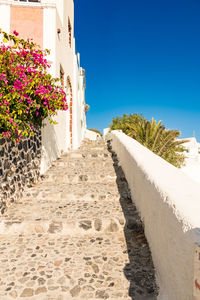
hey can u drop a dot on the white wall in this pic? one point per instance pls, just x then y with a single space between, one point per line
192 147
91 135
82 86
106 131
79 122
169 203
61 55
49 36
50 150
56 138
192 161
5 17
66 56
50 142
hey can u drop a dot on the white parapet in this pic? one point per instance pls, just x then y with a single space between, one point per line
106 131
91 135
169 204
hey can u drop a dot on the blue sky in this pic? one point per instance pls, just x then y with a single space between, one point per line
141 56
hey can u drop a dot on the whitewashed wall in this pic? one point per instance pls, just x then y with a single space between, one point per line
56 138
192 161
91 135
56 17
79 122
50 147
169 203
4 16
82 87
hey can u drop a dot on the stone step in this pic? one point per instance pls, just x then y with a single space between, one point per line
43 266
62 226
95 164
73 194
82 189
53 196
84 165
93 148
78 170
77 178
83 159
94 143
81 154
76 235
69 218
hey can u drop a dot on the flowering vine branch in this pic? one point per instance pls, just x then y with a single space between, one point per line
28 93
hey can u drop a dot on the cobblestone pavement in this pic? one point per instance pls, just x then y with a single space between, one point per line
76 235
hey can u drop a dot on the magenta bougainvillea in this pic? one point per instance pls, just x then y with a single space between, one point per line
28 93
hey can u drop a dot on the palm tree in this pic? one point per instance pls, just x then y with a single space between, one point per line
154 136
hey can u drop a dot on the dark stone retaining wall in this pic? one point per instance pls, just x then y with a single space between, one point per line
19 167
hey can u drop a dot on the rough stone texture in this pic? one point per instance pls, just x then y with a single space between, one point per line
72 238
19 167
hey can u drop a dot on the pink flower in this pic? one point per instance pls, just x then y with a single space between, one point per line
18 140
6 103
3 77
31 92
15 33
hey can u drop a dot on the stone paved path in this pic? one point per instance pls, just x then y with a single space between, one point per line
76 235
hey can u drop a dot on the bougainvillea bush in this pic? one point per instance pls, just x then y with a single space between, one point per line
28 93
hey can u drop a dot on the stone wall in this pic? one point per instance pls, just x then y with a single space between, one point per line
169 204
19 167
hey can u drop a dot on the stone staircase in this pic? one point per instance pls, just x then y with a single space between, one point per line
76 235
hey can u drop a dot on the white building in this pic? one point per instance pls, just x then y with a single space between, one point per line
192 161
92 135
51 25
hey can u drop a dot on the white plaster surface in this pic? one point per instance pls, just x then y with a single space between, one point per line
4 17
56 13
50 147
192 161
192 169
50 143
106 131
91 135
62 56
79 118
169 203
49 36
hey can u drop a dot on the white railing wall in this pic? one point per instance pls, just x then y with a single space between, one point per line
169 204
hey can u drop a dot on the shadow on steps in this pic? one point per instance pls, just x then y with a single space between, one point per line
140 270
